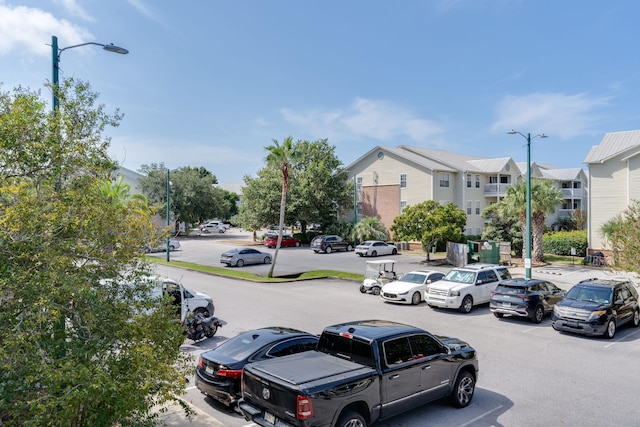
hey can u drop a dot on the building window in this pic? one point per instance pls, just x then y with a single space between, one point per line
478 231
477 207
493 180
477 181
468 231
469 207
403 204
468 180
444 202
576 185
359 184
505 179
444 180
403 180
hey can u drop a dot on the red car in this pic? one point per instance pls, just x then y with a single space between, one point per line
287 240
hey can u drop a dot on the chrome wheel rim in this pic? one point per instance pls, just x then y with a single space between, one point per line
465 390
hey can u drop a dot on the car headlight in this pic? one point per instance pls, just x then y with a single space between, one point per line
454 293
596 314
403 293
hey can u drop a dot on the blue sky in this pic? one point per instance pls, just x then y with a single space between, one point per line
211 83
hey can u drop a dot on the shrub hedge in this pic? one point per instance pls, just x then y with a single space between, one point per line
561 242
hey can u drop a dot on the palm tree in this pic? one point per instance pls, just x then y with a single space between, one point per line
545 197
281 156
369 228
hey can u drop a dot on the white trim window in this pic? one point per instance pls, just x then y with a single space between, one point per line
403 180
477 181
403 204
444 180
468 180
477 207
468 207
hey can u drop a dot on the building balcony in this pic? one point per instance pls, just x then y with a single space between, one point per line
495 190
571 193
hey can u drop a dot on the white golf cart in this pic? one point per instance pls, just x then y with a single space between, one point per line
377 273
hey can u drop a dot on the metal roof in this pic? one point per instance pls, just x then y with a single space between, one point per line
612 144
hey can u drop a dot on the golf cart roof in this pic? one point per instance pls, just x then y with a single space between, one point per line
381 261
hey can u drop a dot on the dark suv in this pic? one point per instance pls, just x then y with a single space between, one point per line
597 307
531 298
330 243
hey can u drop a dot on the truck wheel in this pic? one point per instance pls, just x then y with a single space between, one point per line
351 419
415 299
611 329
328 249
467 305
463 389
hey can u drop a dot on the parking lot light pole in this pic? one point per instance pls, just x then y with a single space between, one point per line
168 214
527 260
56 52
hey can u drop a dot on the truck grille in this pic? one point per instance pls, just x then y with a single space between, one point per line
573 313
439 292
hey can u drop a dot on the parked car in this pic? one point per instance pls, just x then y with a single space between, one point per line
464 287
219 371
287 241
410 288
329 243
239 257
597 307
173 245
531 298
213 227
360 372
375 248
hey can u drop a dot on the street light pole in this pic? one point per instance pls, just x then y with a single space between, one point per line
168 213
527 260
55 55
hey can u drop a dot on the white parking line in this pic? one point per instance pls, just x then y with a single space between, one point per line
622 338
470 422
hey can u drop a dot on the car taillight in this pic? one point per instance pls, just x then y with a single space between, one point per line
304 407
229 373
200 362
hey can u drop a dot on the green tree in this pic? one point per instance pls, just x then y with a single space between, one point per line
319 185
75 349
545 198
623 234
369 228
429 222
193 192
503 226
280 157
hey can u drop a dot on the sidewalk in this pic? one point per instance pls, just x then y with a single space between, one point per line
175 416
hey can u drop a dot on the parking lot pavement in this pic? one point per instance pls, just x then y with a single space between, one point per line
175 416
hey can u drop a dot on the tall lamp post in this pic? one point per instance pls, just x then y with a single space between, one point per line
56 52
168 213
527 260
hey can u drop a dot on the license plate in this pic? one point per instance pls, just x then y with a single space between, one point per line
506 304
269 417
208 370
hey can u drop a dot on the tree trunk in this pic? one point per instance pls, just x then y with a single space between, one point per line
537 230
283 200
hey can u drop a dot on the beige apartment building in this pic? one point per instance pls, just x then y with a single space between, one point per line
614 180
388 179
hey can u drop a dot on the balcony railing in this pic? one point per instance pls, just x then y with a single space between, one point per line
572 193
493 190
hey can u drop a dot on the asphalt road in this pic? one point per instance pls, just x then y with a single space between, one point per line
530 375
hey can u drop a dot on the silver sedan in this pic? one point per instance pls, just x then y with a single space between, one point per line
239 257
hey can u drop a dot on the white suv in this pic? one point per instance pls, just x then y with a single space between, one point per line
464 287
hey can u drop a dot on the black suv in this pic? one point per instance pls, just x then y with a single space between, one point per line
330 243
531 298
597 307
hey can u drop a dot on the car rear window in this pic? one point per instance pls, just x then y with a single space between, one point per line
510 290
346 348
242 346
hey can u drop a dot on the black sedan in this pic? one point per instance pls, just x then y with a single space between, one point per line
219 371
531 298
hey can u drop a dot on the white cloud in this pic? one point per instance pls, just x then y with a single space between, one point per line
380 120
561 115
28 31
75 9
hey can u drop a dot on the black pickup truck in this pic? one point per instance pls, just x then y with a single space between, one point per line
360 372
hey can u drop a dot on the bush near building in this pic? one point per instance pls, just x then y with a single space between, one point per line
561 242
